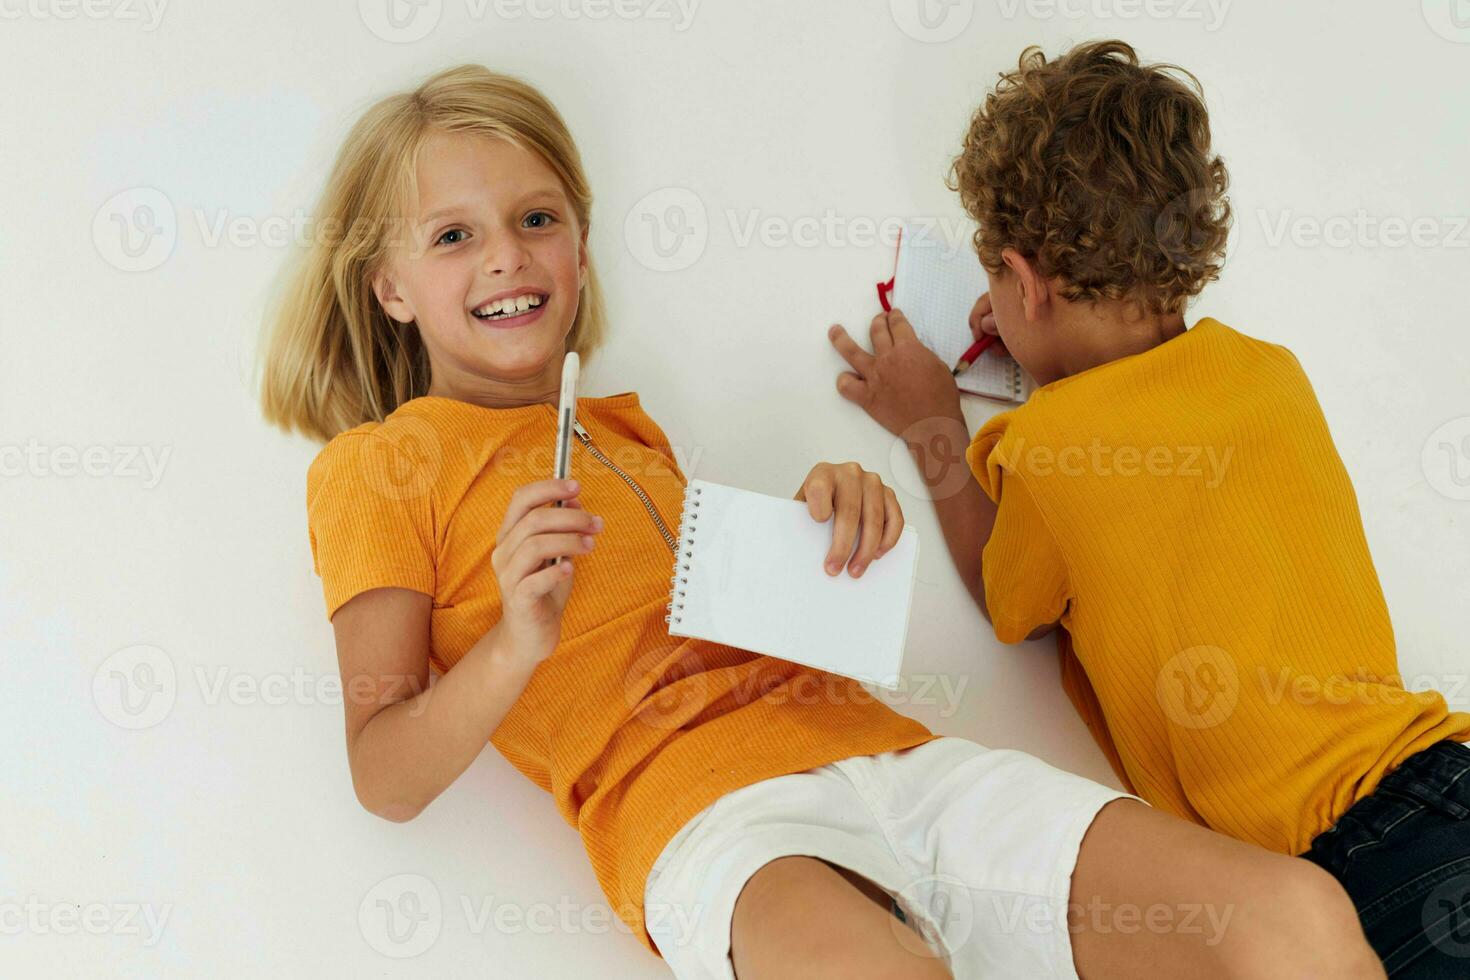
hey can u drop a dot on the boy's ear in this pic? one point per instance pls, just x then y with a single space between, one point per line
393 304
1034 294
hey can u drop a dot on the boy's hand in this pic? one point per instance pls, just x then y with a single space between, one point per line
866 511
982 322
902 382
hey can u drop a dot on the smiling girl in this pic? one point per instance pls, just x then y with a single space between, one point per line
741 813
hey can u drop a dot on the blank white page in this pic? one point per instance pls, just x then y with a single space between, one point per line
754 580
936 291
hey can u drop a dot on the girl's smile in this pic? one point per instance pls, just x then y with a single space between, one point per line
514 308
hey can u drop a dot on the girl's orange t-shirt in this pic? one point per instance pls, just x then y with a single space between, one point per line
631 730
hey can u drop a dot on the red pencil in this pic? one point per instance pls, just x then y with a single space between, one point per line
973 354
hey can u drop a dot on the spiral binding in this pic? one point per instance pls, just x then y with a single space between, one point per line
683 553
1015 381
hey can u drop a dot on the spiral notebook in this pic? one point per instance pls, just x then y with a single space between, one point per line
936 283
748 574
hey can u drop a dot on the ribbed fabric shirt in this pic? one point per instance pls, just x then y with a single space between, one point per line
1184 514
632 731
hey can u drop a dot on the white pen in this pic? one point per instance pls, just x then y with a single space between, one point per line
566 415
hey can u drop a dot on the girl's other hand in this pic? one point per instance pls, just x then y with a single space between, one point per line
533 592
865 509
902 383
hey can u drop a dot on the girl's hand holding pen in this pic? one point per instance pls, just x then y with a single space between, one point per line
865 509
533 591
902 382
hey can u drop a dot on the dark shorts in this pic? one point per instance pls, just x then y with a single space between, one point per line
1403 854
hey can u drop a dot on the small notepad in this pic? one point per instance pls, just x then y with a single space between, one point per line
935 284
749 574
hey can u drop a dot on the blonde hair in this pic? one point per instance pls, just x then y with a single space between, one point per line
332 357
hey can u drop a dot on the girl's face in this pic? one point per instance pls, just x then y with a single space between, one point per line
492 224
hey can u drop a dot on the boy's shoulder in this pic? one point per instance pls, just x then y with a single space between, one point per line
1208 352
1216 329
1208 361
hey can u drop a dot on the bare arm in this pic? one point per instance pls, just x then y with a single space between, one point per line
910 392
406 742
966 515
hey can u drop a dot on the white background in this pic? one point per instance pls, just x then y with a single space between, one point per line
234 815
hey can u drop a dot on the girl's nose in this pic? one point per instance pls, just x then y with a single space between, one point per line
507 255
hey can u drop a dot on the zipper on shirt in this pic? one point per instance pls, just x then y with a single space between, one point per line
647 503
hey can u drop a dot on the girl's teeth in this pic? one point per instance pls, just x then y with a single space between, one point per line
510 307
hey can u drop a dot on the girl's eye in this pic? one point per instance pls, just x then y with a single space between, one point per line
545 219
452 231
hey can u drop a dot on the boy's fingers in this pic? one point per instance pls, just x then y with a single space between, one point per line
847 499
871 531
861 360
899 327
852 387
978 313
878 331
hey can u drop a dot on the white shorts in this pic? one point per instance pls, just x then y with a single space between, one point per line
975 845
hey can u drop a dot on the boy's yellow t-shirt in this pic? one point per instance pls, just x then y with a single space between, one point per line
632 731
1185 516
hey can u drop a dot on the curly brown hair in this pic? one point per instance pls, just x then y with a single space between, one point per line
1099 169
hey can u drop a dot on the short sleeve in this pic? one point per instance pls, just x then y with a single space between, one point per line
984 456
1026 582
369 516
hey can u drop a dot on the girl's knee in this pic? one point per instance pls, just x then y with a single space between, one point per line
797 917
1300 922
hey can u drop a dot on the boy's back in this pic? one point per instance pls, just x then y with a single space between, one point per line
1184 514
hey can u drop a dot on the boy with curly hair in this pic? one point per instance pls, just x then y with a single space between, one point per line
1171 504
